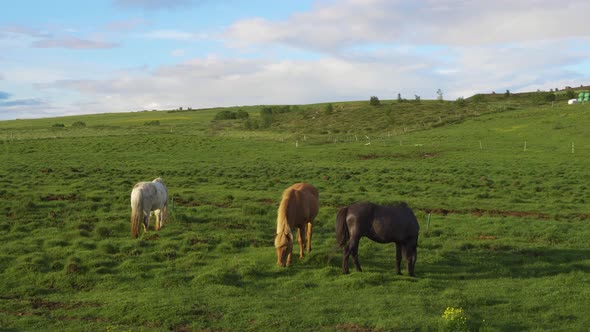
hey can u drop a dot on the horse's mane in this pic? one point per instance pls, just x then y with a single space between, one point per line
158 180
282 217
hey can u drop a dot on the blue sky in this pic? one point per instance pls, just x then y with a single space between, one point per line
71 57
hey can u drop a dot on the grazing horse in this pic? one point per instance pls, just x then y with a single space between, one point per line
298 209
147 197
383 224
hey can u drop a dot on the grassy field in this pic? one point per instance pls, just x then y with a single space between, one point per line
507 240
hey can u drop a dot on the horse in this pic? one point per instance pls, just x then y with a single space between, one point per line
299 207
383 224
148 197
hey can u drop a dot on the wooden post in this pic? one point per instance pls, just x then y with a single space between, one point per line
572 147
428 225
524 146
480 146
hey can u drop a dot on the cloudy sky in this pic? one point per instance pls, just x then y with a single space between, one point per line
65 57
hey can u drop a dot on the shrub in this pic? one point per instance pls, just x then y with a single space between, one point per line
265 117
225 115
251 124
242 114
461 102
454 319
152 123
329 109
374 101
58 125
79 124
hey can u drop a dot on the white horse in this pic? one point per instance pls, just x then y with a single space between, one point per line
147 197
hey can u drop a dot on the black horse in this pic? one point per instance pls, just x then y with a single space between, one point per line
383 224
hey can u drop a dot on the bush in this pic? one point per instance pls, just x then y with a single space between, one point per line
58 125
152 123
225 115
461 102
79 124
266 117
242 115
374 101
329 109
251 124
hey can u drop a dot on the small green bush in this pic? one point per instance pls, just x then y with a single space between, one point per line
374 101
225 115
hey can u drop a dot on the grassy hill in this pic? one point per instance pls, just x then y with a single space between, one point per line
503 227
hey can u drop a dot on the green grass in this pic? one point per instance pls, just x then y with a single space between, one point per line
507 240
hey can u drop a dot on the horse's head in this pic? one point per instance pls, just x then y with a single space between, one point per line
284 247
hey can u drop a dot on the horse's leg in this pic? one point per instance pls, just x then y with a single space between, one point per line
289 253
398 257
158 214
301 240
411 257
355 254
345 255
146 221
309 228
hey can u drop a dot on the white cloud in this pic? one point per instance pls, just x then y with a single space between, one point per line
178 52
153 4
335 25
73 43
176 35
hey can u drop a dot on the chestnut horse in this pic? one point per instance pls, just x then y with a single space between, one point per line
298 209
148 197
383 224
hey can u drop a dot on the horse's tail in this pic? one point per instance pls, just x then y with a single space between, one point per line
136 213
342 233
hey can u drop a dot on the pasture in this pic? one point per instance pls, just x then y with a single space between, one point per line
507 240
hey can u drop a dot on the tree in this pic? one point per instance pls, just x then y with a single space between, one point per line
266 117
570 94
329 109
507 93
399 97
439 95
461 102
417 98
374 101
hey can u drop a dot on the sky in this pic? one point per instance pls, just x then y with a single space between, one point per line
69 57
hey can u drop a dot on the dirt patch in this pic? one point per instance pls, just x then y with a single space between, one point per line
151 237
352 328
368 156
492 213
486 237
191 203
60 197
